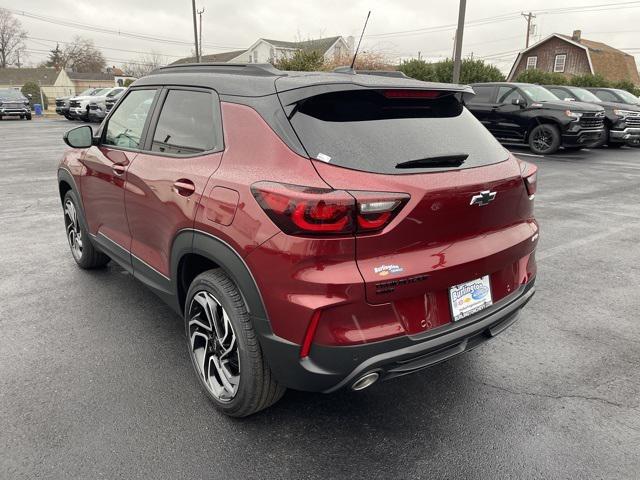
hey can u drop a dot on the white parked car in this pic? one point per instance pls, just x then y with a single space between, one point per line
79 106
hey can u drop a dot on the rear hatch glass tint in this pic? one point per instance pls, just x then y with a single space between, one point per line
388 131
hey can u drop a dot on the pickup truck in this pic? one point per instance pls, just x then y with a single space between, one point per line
79 106
528 114
98 107
622 120
62 103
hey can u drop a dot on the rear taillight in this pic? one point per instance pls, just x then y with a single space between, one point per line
529 174
299 210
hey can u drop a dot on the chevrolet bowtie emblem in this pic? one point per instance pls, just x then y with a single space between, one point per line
483 198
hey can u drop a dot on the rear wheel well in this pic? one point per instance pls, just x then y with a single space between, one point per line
63 187
540 121
191 265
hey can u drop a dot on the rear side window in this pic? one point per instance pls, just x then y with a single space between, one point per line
366 130
186 125
483 94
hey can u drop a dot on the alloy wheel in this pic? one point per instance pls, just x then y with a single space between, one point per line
74 234
541 140
214 346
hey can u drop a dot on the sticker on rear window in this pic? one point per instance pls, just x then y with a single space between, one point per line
323 157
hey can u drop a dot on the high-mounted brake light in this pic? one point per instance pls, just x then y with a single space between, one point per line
408 93
299 210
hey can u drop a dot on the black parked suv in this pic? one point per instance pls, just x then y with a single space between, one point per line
523 113
622 120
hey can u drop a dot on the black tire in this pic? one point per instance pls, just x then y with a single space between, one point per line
635 143
28 117
86 256
256 388
544 139
68 117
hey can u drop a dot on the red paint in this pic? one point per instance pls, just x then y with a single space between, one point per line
434 234
221 205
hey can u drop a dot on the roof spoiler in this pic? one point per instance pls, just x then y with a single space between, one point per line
256 69
381 73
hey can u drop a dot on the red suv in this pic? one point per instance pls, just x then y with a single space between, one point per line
315 230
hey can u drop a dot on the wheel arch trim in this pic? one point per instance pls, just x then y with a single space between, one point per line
193 241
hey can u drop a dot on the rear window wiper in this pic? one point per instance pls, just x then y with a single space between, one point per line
435 162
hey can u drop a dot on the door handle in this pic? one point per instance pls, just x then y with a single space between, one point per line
184 187
119 168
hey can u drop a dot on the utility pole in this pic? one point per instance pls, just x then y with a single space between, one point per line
200 12
195 30
529 16
41 97
457 61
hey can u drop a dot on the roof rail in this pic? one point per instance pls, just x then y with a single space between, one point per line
256 69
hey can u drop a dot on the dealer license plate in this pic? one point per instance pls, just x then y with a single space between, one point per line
470 297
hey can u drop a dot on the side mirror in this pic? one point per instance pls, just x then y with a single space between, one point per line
29 95
79 137
519 102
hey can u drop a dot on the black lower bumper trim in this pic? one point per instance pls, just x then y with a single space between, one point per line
330 368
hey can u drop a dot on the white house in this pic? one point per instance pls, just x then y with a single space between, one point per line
269 51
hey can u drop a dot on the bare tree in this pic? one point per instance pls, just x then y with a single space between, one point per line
81 55
12 37
144 64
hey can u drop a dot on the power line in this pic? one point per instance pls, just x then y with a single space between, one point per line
29 37
506 17
102 29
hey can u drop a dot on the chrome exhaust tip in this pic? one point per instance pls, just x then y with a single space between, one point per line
365 381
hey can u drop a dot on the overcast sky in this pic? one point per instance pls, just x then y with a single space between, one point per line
229 25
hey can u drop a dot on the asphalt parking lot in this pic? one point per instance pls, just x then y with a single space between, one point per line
96 382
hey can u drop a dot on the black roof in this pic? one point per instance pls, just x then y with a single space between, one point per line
254 80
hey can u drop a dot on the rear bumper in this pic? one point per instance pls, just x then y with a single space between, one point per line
581 137
327 369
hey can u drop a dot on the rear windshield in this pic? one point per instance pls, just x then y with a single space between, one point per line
374 131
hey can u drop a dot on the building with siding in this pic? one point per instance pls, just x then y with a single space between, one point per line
574 55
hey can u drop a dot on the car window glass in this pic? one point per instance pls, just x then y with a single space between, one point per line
483 94
626 96
606 96
186 124
561 94
114 92
369 130
508 94
124 128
